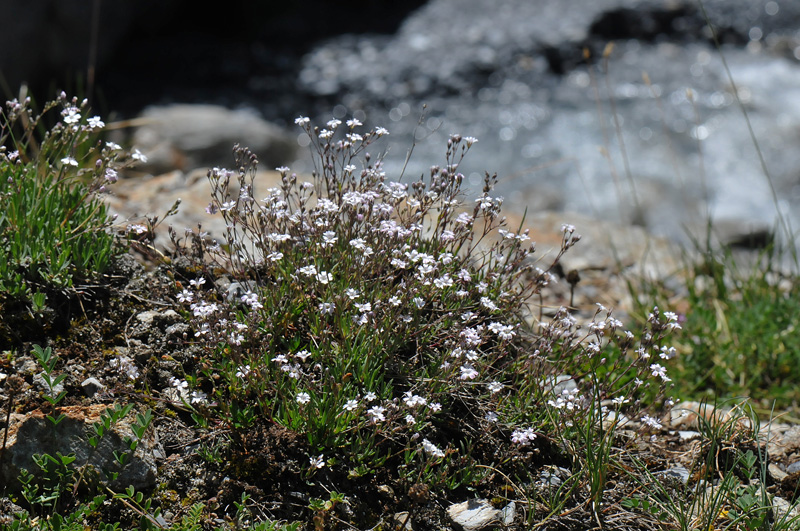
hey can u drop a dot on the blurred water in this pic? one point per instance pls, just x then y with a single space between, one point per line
554 138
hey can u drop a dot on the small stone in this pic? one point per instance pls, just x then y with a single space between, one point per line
403 520
508 513
687 436
793 468
91 386
147 317
39 381
776 473
472 515
677 472
784 510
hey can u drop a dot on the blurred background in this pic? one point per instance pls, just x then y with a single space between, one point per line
620 110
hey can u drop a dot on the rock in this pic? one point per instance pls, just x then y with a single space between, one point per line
688 413
38 381
677 472
784 510
687 436
776 473
91 386
134 198
476 514
508 513
34 434
786 444
793 468
402 520
201 136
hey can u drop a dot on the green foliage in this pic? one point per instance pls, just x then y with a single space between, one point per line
54 228
739 327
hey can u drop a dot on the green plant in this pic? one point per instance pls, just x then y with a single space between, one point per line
55 235
47 360
390 325
727 485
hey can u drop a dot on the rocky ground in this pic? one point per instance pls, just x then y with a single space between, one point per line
136 316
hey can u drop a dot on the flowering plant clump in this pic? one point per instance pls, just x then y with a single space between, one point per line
386 321
54 229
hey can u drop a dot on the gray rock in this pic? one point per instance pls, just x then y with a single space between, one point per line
677 472
784 444
508 513
776 473
25 365
784 510
91 386
403 521
201 136
473 515
33 434
38 381
793 468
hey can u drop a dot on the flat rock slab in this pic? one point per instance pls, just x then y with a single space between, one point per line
33 434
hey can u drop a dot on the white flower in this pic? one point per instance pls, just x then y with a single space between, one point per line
328 238
353 123
412 400
660 371
419 302
317 462
375 414
326 308
487 303
380 131
491 416
652 422
303 355
370 396
352 293
243 371
180 384
468 372
470 140
410 419
323 277
435 407
95 122
302 120
350 405
71 115
363 308
303 398
443 282
185 296
198 397
395 301
523 437
494 387
309 270
137 155
431 449
69 161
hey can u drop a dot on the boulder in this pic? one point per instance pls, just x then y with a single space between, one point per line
187 137
33 433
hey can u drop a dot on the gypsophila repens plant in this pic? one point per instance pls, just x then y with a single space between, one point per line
371 315
55 231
